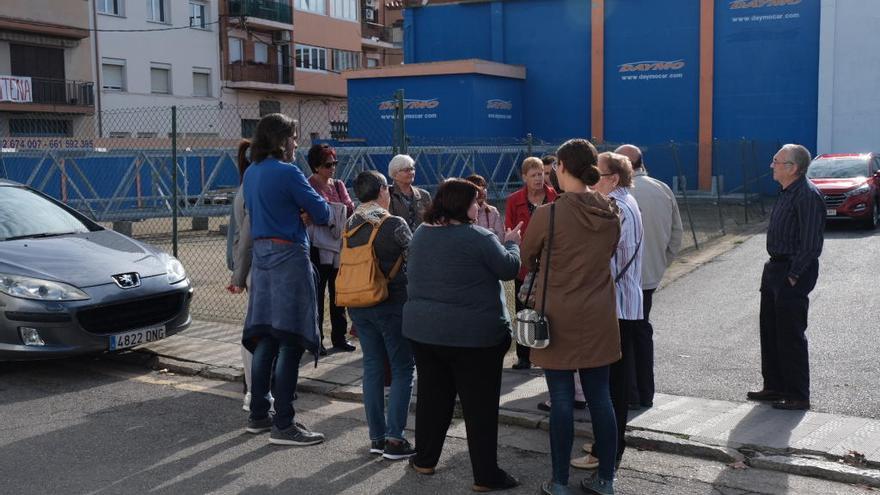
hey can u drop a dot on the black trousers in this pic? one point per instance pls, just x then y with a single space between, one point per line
474 374
620 384
327 280
642 371
522 352
785 363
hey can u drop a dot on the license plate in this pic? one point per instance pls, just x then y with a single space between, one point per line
136 337
831 213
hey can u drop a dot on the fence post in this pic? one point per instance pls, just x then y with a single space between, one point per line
399 124
718 186
174 180
682 180
529 142
745 181
758 180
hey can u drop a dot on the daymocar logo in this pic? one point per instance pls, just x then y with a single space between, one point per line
496 104
410 104
651 65
757 4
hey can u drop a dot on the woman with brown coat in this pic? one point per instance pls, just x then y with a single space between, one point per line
581 308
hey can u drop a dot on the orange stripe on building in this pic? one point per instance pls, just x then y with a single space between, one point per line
707 75
597 70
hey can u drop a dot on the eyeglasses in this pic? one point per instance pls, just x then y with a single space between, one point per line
408 169
777 162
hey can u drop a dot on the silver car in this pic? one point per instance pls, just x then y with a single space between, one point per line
68 286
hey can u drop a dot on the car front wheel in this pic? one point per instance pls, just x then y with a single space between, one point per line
872 221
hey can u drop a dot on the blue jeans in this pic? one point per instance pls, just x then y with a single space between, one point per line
379 331
595 381
286 356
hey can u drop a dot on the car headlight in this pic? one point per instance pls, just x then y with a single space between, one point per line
174 269
864 188
38 289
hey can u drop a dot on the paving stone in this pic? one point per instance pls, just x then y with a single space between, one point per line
819 468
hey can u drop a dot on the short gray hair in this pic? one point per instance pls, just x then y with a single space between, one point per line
399 162
798 155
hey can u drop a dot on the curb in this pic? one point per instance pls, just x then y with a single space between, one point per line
804 464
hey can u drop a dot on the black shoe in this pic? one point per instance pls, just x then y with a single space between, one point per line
295 434
344 347
765 395
635 406
506 483
394 451
257 426
544 406
647 405
322 351
522 364
792 405
377 446
580 404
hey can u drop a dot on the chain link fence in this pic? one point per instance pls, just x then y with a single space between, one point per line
167 176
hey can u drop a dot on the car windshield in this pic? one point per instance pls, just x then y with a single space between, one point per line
24 214
838 168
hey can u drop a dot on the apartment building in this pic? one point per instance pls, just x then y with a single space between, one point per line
382 33
288 55
46 84
155 54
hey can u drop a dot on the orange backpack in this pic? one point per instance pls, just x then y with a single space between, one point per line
360 282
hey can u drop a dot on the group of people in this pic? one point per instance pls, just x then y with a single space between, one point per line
612 231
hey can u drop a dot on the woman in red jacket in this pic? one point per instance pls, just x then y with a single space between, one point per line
520 206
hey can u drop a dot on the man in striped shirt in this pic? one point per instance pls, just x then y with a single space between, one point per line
794 242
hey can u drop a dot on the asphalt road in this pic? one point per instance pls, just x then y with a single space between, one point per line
101 427
706 326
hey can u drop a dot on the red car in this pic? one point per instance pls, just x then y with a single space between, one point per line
850 183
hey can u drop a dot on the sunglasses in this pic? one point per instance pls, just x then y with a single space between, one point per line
330 164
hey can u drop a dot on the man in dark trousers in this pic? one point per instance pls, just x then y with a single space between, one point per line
794 242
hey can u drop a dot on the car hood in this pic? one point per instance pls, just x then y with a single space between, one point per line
838 184
83 260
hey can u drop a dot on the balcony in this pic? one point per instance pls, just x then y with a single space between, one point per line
270 77
49 94
270 14
379 36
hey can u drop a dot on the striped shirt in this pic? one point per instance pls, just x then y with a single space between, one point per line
628 289
797 226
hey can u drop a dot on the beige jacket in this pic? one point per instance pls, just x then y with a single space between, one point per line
580 298
662 224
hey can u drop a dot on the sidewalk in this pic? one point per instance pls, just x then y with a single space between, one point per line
836 447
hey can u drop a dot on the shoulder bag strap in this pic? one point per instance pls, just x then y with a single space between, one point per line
549 250
630 262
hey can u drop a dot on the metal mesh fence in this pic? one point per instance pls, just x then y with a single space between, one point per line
167 176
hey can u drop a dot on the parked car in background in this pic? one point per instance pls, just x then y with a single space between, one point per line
68 286
850 183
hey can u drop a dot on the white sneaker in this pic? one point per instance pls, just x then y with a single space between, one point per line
246 403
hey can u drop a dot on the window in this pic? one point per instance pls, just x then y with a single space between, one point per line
372 62
39 127
160 78
316 6
311 57
261 53
345 9
249 128
345 60
236 47
201 82
197 13
120 134
146 135
112 7
113 74
157 10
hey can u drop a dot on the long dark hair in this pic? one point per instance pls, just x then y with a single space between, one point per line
452 202
270 138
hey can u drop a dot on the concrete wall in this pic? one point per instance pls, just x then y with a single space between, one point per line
849 77
182 49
